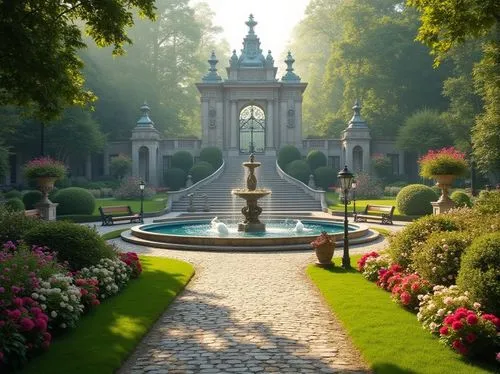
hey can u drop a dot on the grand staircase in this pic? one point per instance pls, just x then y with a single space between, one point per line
285 197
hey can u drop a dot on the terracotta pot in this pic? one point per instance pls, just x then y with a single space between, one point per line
46 185
324 253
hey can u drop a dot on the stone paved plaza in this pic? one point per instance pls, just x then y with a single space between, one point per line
246 313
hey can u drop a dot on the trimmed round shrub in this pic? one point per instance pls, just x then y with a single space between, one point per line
14 204
175 178
200 171
80 245
436 190
325 177
287 154
438 259
212 155
30 198
182 160
74 200
461 199
403 243
299 169
316 159
415 199
480 271
488 202
13 193
14 224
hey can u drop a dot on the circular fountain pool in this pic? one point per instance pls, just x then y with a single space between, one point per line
201 234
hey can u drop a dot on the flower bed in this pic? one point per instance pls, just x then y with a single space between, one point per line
40 297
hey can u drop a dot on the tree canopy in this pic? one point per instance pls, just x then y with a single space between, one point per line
39 63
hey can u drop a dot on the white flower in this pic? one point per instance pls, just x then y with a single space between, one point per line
463 298
448 300
70 308
34 296
53 314
108 288
476 305
42 298
434 269
441 312
43 306
433 325
63 325
65 298
450 276
62 304
454 287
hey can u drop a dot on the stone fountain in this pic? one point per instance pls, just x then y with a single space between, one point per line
251 195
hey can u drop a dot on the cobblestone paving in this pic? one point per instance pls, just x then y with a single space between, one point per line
246 313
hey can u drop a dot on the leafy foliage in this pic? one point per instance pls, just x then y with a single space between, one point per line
200 171
13 193
212 155
480 271
488 202
287 154
446 161
78 244
14 224
30 198
120 166
299 169
415 199
182 160
175 178
129 190
316 159
382 167
368 187
461 199
14 204
325 177
74 200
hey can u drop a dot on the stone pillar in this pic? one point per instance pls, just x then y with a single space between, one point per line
283 126
88 167
204 122
153 171
233 125
298 125
219 121
47 210
135 160
269 125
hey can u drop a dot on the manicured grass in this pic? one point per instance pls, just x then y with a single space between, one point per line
109 334
382 231
390 338
113 234
155 205
360 204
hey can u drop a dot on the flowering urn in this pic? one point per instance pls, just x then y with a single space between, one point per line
324 247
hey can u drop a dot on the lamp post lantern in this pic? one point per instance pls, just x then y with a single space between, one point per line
353 186
345 177
142 185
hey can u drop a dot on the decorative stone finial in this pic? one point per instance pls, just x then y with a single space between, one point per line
212 72
145 121
269 59
234 59
290 75
356 120
251 23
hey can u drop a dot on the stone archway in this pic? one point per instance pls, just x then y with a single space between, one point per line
144 163
252 124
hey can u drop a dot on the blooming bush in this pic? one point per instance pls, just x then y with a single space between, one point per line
373 265
89 291
129 189
442 162
470 333
366 256
368 187
435 307
323 239
132 261
112 275
44 167
388 278
61 299
407 291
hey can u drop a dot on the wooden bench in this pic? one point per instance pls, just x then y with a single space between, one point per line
35 213
385 217
112 214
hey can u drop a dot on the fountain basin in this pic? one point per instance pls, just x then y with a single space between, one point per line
196 234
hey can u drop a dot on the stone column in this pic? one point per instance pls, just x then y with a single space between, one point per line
298 125
204 121
269 125
219 123
283 124
153 180
233 125
135 160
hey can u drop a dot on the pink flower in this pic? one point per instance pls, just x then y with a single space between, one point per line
471 319
2 290
18 302
443 330
457 325
47 337
41 324
471 337
27 324
45 344
14 314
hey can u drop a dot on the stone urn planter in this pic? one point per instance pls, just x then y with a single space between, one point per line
444 202
46 184
324 246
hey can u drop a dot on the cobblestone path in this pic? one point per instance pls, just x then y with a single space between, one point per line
246 313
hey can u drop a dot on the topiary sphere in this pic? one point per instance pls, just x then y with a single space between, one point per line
415 199
480 271
74 200
182 160
316 159
212 155
175 178
299 169
14 204
287 154
201 170
30 198
461 199
13 193
325 177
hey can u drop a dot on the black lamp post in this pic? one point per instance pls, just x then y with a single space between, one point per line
353 186
252 147
345 177
141 187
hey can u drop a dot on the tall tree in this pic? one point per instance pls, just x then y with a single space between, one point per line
39 65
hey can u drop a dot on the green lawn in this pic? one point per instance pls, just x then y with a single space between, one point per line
113 234
109 334
155 205
390 338
360 204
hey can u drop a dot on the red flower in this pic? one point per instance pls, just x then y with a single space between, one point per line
457 325
443 330
405 298
449 319
471 337
471 319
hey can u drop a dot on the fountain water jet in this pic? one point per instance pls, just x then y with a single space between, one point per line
251 195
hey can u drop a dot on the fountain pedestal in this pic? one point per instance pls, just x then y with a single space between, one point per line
251 195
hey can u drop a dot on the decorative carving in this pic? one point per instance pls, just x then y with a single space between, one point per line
212 113
291 118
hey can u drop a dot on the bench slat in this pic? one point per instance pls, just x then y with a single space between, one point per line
386 216
110 214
